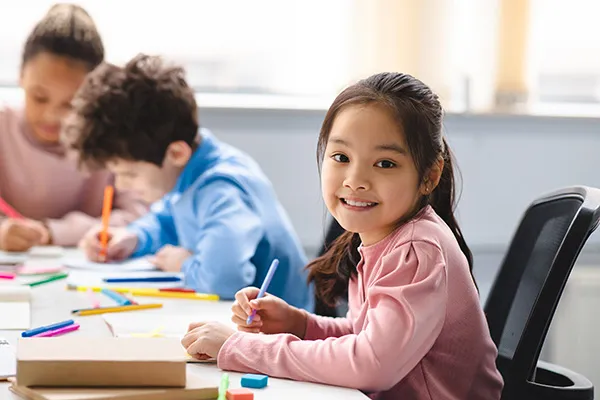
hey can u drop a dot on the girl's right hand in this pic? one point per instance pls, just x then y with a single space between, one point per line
22 234
273 315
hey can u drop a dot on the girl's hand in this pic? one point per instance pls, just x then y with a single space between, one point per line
205 339
273 314
21 235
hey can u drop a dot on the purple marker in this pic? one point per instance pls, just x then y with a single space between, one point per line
264 287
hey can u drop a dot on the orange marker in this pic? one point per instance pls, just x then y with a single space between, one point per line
106 209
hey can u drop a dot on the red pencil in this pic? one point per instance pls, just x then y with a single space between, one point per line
177 290
7 210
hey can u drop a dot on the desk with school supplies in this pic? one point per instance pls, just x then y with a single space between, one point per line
51 303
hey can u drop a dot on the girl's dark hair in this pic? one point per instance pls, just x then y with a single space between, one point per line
419 112
66 30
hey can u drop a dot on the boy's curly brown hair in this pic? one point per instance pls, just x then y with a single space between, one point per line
132 113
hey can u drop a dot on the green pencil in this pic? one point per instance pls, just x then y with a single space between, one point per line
51 278
224 386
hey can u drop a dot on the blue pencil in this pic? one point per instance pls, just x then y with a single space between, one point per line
146 279
264 287
120 299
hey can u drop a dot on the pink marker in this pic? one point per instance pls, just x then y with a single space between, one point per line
7 275
58 332
39 270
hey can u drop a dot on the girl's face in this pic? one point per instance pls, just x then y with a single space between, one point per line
369 180
50 82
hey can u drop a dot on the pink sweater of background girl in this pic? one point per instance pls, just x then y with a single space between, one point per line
41 183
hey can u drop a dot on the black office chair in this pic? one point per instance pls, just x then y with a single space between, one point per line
526 292
333 232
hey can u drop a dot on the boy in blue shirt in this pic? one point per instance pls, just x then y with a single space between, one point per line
215 216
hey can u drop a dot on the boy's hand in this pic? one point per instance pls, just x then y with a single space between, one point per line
170 258
21 235
121 244
273 315
205 339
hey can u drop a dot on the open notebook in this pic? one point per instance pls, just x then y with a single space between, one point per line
15 305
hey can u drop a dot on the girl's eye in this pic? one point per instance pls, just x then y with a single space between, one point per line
385 164
341 158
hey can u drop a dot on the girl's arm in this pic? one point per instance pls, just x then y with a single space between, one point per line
407 308
319 327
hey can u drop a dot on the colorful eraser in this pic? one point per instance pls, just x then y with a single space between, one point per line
239 394
254 381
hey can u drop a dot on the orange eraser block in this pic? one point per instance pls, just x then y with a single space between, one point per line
240 394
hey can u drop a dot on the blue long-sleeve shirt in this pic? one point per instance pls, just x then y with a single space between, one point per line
223 209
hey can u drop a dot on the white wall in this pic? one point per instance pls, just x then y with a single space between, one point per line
506 162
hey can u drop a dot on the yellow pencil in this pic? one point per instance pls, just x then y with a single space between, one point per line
174 295
150 292
103 310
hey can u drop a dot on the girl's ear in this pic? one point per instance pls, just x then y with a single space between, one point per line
432 177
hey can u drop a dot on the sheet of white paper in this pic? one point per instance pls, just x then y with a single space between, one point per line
147 322
15 307
96 278
136 264
8 360
15 315
144 324
46 251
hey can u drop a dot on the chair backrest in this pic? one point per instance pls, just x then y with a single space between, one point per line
532 277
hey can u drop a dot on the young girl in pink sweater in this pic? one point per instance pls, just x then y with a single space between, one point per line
37 178
415 328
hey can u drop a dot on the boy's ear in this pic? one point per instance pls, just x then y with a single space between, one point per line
178 153
432 178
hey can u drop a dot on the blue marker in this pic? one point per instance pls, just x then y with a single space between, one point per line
146 279
46 328
264 287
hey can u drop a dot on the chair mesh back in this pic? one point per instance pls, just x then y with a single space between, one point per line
527 264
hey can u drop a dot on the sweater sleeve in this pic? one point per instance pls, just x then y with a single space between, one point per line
319 327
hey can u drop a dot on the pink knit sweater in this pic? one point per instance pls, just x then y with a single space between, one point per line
415 328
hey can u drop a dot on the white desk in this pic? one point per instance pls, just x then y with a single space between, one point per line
52 303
